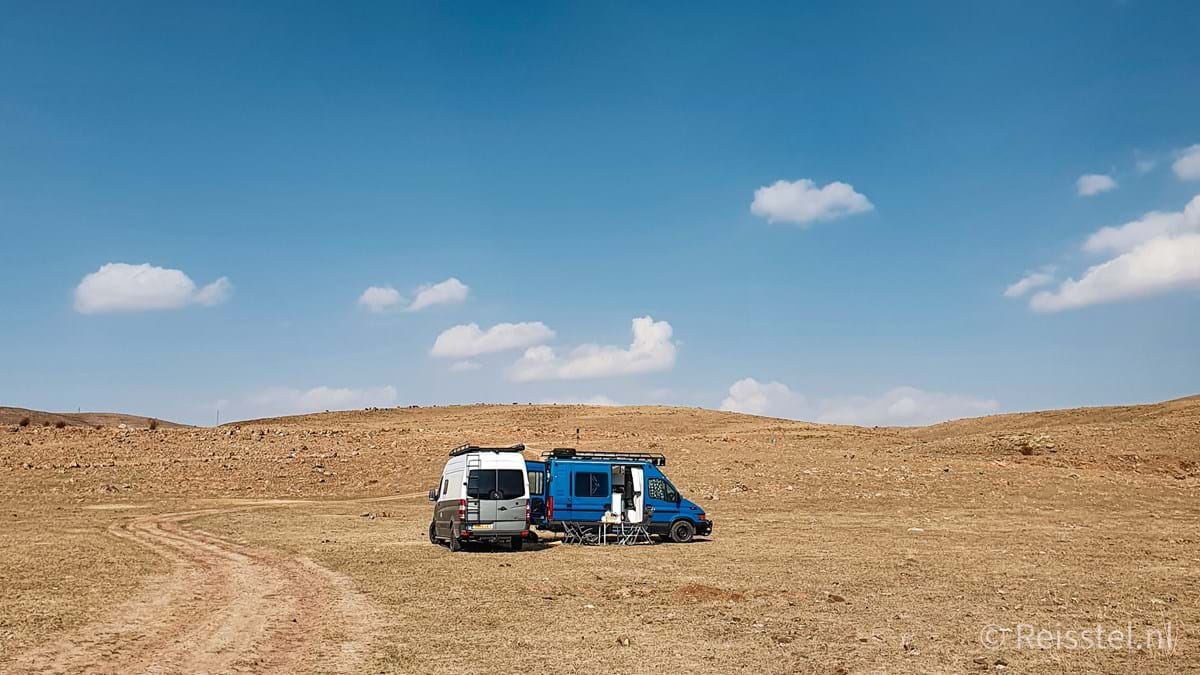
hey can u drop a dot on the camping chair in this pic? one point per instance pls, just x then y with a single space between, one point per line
636 533
571 533
580 533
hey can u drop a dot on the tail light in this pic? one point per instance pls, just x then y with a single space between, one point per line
462 509
527 510
550 508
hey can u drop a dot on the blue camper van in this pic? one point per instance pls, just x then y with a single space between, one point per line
579 486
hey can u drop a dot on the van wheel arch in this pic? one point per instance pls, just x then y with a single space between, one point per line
682 531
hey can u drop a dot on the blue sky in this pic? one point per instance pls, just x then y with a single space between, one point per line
820 209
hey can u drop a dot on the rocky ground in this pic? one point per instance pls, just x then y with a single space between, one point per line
299 544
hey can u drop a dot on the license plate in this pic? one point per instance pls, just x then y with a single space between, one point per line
482 526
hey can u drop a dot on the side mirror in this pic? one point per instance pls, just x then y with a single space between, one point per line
433 495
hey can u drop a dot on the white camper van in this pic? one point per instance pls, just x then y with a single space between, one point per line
483 497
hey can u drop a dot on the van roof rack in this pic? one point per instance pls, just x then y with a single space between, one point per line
655 458
464 449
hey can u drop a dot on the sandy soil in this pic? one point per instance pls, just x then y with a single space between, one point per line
222 607
298 544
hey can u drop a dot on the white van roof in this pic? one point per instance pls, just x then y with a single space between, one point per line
489 458
501 460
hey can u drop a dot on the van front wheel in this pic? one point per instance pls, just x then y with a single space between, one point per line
682 532
433 533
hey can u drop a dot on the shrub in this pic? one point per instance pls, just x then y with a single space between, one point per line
45 423
60 424
24 422
153 424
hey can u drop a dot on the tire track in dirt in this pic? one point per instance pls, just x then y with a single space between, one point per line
223 607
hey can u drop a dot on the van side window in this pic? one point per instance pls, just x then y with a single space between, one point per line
537 482
588 484
661 489
445 487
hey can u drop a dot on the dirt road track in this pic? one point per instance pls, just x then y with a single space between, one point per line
223 607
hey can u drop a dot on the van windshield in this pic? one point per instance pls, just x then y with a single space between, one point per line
496 484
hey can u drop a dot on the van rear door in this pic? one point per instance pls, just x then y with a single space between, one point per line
537 490
501 494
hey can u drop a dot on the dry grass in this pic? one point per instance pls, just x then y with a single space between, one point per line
835 547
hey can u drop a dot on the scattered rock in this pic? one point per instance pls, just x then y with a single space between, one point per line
834 597
1025 444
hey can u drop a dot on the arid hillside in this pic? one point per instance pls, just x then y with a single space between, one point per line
835 548
38 418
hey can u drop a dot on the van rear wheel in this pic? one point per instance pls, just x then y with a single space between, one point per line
517 542
455 544
682 532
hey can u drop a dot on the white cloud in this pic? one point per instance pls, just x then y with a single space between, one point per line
467 340
215 293
275 401
1093 184
465 366
1144 165
802 202
1157 253
652 350
1156 266
1150 226
598 399
121 287
1030 281
902 406
1187 163
379 299
449 292
772 399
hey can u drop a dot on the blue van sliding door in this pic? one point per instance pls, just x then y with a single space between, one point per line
582 491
